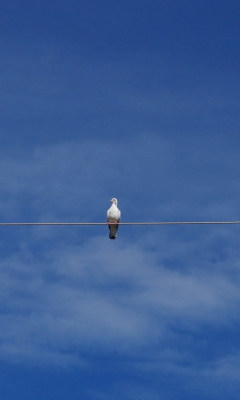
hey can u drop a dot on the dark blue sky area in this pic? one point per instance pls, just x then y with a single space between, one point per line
188 28
69 66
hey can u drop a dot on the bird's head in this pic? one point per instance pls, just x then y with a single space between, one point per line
114 201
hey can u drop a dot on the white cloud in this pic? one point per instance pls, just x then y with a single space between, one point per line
69 291
106 298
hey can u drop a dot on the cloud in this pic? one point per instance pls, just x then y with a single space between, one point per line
67 177
158 297
73 180
105 298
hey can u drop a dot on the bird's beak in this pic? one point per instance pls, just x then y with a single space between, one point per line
111 200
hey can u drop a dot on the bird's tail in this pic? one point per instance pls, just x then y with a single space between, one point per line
113 231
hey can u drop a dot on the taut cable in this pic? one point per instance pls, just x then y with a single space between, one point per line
120 223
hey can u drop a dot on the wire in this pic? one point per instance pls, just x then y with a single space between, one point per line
120 223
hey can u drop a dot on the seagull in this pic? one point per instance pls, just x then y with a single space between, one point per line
113 216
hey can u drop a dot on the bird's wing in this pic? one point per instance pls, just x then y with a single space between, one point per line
119 215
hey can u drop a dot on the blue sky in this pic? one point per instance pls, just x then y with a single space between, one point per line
138 100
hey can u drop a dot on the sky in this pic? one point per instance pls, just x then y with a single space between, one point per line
137 100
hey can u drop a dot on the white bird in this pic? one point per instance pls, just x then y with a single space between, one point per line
113 218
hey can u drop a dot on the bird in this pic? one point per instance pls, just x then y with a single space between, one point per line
113 218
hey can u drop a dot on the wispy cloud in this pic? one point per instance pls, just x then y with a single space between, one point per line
106 298
67 292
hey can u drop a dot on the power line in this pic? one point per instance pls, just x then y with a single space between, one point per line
120 223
